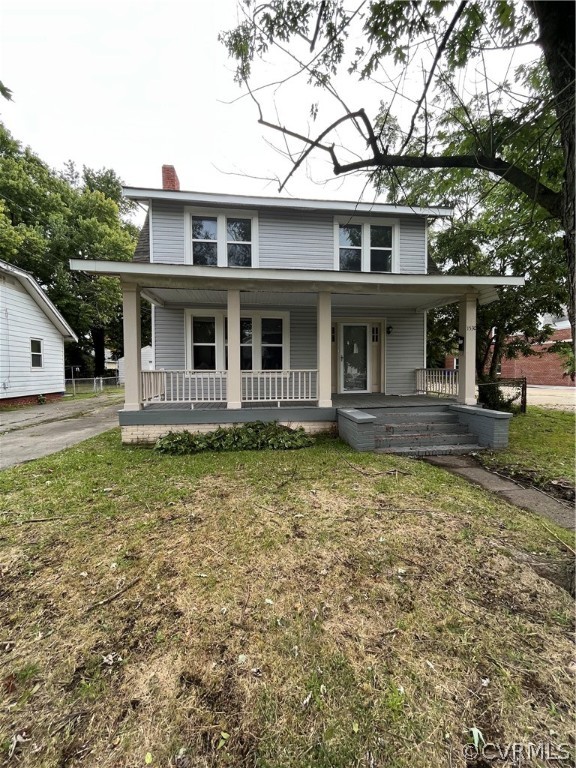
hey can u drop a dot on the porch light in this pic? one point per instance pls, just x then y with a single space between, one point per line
388 330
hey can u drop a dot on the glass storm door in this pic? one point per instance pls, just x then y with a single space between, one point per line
354 359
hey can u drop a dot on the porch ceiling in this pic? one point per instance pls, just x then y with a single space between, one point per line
410 290
181 297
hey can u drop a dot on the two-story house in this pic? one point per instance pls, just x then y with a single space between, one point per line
286 309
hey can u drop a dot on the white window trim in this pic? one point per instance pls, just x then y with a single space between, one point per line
220 314
41 353
365 251
221 216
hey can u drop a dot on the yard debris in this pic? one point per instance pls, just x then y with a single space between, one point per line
69 719
307 700
117 594
376 474
19 738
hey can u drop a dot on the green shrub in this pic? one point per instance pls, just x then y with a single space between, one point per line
491 396
254 436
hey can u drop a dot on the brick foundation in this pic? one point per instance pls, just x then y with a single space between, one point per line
6 402
147 434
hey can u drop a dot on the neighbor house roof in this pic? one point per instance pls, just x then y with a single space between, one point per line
34 290
288 203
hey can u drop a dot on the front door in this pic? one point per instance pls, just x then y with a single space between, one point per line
355 373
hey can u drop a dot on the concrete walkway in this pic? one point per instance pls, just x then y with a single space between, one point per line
525 498
39 430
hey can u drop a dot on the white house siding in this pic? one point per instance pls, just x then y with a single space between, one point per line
21 319
287 239
405 350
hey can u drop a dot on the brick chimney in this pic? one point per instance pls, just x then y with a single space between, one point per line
170 178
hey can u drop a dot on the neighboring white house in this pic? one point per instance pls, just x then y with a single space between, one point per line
146 362
280 309
32 335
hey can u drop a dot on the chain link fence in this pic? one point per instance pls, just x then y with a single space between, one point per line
93 386
503 395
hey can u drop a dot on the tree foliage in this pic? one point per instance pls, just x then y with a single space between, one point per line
507 128
47 218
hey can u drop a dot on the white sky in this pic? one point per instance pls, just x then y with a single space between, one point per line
133 84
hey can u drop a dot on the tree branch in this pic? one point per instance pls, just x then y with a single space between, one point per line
439 52
543 195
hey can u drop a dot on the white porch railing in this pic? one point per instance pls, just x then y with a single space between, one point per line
184 386
440 381
210 386
259 386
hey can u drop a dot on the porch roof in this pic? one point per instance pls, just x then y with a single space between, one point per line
416 291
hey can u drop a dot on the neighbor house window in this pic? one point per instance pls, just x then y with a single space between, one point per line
365 247
36 353
205 241
221 238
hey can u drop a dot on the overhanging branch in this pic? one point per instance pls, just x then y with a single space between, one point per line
529 185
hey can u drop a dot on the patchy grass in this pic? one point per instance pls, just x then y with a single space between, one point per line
316 608
541 448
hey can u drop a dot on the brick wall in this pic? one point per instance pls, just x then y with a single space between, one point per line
170 178
29 399
147 434
544 368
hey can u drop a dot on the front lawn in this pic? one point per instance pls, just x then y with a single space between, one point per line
541 447
317 608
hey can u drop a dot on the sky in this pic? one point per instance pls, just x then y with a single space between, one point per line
132 85
135 84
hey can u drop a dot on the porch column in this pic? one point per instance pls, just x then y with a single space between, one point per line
467 356
132 345
234 382
324 349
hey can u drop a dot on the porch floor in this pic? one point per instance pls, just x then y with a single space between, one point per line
349 400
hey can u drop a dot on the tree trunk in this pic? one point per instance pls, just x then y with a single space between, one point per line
97 335
497 352
556 22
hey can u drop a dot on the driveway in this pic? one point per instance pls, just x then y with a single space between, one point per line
562 398
39 430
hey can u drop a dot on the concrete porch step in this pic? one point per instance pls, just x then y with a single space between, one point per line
385 430
413 439
433 450
392 417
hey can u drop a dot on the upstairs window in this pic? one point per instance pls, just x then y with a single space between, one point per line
239 242
380 249
36 360
350 247
366 246
222 238
205 241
